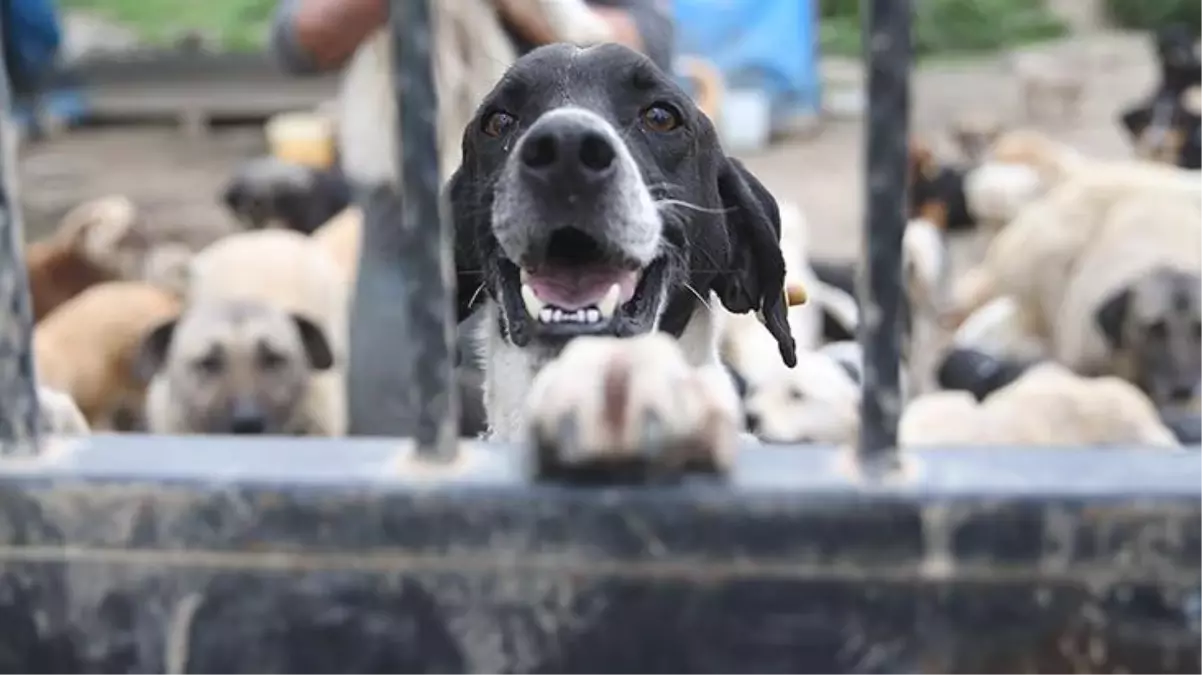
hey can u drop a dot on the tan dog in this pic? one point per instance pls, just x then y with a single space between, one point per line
1032 258
1131 308
100 240
235 367
86 349
1048 406
289 272
341 237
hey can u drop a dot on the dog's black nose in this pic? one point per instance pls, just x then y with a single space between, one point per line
247 418
565 149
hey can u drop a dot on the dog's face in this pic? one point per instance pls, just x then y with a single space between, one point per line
594 199
267 192
236 367
813 403
1154 323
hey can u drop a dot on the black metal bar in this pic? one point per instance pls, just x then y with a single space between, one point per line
18 389
886 26
403 309
159 554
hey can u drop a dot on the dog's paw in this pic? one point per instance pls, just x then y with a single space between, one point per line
610 405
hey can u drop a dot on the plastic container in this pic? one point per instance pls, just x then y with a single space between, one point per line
746 120
304 138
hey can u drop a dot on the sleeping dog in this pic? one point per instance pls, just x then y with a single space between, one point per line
598 216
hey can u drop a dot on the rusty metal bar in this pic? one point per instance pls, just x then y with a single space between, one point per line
18 389
887 52
403 309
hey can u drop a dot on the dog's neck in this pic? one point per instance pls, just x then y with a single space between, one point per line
510 370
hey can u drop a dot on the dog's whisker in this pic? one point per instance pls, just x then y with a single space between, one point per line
472 300
700 298
687 205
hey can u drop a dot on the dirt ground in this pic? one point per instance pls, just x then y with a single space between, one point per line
180 178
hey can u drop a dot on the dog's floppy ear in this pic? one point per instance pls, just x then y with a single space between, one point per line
153 350
462 208
313 339
755 280
1111 316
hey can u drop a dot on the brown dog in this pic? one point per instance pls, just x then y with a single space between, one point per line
85 348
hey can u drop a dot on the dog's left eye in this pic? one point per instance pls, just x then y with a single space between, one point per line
660 117
498 123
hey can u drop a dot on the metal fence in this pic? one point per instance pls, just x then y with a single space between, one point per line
164 554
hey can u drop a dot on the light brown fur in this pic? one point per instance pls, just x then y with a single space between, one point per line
340 237
86 347
1033 257
290 272
1047 406
1142 233
236 366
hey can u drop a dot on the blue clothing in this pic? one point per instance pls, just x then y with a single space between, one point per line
31 41
653 18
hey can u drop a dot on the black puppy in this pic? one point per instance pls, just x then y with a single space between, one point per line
269 192
595 200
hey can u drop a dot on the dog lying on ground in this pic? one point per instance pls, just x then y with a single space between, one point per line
269 192
235 366
87 347
248 284
1047 405
99 240
606 221
1032 258
1131 308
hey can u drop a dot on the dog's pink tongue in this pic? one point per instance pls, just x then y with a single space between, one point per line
577 288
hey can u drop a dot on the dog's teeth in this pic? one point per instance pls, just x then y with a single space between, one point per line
609 304
592 315
557 315
546 315
534 306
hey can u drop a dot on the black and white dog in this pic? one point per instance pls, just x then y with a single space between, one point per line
595 203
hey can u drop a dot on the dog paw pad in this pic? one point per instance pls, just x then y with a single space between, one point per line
635 406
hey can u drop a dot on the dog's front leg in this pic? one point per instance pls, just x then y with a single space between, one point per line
636 404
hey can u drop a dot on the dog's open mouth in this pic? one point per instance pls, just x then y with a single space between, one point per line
579 288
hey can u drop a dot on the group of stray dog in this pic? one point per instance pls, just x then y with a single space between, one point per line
1079 325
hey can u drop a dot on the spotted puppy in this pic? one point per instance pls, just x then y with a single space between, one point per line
607 221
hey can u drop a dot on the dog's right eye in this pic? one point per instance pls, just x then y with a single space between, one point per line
209 364
498 123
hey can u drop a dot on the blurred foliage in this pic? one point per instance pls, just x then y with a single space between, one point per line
232 25
948 26
1144 14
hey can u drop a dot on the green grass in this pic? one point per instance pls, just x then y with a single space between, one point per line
237 25
948 27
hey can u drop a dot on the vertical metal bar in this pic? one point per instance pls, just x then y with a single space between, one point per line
886 30
428 260
18 390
